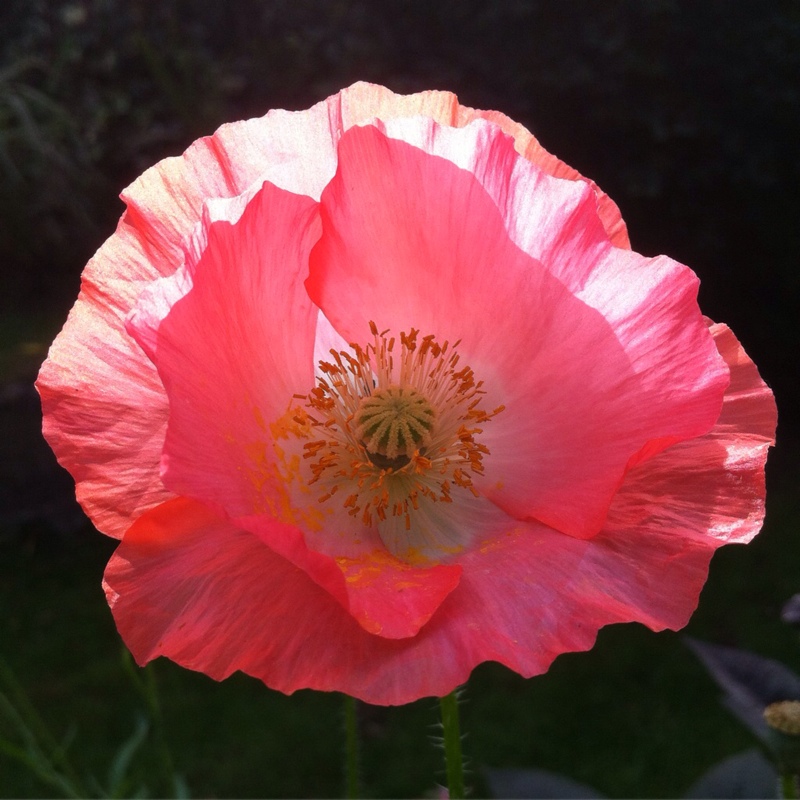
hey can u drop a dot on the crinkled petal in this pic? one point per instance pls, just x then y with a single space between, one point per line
186 581
593 376
232 336
650 561
187 584
528 146
363 101
386 596
104 409
749 414
103 404
712 485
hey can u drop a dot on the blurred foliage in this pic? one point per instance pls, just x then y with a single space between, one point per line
26 739
92 94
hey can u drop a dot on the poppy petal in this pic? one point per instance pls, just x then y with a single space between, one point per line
413 236
185 583
229 358
361 102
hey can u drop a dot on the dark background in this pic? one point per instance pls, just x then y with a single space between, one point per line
686 113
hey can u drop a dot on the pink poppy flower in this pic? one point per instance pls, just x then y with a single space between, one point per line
377 391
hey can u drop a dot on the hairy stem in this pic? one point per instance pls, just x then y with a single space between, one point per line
452 746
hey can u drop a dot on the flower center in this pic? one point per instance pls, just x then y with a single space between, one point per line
392 424
396 431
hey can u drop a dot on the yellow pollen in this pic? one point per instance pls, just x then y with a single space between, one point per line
393 427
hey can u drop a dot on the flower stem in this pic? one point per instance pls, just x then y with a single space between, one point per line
351 766
452 746
788 786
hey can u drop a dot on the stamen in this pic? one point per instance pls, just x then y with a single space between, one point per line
395 429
